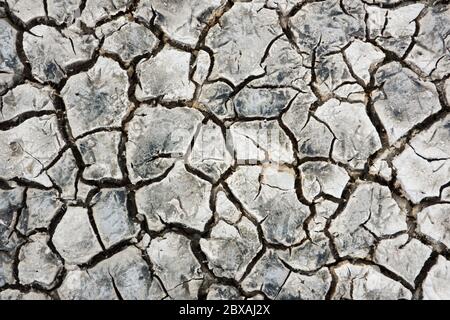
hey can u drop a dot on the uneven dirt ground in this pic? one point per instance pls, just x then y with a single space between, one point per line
194 149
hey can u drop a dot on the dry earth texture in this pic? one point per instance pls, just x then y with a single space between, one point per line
218 149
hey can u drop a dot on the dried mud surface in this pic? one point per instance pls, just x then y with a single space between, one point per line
191 149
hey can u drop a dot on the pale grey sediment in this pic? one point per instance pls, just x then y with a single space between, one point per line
189 149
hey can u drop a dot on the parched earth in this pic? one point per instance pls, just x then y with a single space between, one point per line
194 149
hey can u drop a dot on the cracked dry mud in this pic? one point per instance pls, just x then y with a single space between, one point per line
189 149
